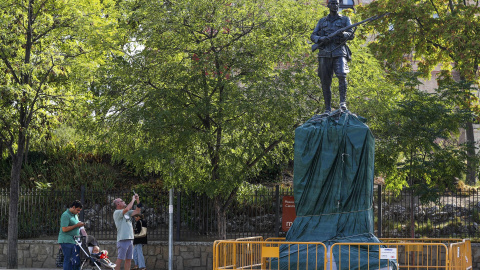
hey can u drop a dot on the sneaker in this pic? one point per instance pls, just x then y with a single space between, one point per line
343 106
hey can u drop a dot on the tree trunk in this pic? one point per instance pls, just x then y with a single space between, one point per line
27 145
12 254
471 177
221 217
17 159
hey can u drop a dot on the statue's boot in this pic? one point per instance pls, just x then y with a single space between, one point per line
342 87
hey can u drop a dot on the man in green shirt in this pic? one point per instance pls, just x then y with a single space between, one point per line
70 227
123 221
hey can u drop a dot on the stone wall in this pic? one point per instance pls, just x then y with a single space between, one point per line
476 255
187 255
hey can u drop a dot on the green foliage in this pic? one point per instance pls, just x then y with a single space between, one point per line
416 144
149 198
216 93
67 171
269 171
41 185
246 193
422 36
424 228
430 33
48 50
42 53
476 215
213 92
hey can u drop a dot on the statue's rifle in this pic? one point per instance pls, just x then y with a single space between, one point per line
341 30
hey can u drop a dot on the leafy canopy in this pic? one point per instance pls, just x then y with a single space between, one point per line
430 32
48 50
210 92
416 144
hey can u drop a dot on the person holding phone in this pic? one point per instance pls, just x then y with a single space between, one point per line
70 227
123 221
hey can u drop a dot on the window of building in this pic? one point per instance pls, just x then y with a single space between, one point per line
344 4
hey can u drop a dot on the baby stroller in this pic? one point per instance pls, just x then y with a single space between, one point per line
91 260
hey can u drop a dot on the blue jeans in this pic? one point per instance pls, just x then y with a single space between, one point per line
71 255
138 256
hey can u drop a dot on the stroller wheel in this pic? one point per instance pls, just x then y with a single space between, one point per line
86 266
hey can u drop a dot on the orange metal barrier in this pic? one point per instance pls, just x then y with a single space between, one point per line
424 254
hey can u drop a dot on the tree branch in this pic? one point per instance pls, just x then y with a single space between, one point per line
190 94
451 5
29 43
9 66
244 33
35 15
9 131
37 94
230 197
265 151
435 43
435 7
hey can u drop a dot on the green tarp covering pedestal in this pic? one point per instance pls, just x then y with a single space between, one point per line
333 191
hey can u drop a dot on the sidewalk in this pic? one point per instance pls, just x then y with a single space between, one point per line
34 268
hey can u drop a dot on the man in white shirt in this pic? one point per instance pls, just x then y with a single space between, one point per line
123 221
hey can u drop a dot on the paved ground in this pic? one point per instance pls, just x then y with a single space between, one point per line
34 268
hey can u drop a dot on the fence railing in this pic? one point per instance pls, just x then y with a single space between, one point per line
194 214
455 214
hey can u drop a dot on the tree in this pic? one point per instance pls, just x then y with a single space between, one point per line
47 49
415 141
211 90
212 93
432 33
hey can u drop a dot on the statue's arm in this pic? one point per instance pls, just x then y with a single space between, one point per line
316 33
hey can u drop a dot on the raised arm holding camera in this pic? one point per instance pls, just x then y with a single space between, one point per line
123 221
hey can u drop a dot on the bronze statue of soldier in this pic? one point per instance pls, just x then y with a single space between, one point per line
333 53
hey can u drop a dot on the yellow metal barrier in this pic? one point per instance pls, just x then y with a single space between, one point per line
446 241
461 255
233 254
406 255
422 254
247 254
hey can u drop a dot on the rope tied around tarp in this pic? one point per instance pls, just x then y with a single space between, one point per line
336 213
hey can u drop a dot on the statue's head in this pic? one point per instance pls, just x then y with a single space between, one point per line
333 5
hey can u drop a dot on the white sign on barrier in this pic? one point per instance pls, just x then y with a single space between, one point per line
388 253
